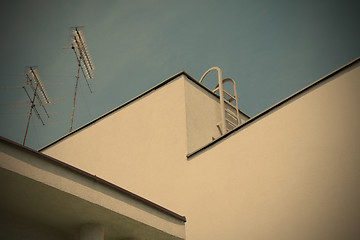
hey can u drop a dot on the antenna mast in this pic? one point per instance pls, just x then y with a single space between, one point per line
83 61
34 82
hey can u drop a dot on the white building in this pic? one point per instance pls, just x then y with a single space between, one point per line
291 172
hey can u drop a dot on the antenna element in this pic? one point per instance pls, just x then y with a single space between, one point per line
84 63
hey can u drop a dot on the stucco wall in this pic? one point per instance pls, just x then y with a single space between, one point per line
141 147
292 174
202 115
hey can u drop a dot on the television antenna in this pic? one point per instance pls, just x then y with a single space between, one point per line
37 96
84 63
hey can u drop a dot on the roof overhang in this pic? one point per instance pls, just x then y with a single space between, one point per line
42 189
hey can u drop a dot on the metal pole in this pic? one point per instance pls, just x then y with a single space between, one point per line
73 109
30 113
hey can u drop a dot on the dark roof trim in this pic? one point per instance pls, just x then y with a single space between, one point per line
99 180
251 120
133 100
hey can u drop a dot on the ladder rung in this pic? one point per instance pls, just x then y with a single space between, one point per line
230 95
225 100
231 113
229 120
231 123
214 91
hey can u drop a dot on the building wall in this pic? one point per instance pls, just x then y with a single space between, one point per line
202 116
141 147
291 174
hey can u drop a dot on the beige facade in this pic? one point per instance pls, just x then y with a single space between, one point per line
149 137
291 172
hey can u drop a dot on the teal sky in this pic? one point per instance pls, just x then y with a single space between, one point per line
270 48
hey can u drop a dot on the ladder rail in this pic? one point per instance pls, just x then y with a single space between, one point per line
221 92
219 87
235 98
231 96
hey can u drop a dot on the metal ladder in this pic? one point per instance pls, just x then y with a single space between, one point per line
229 113
232 119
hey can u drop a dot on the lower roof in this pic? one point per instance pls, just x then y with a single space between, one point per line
95 178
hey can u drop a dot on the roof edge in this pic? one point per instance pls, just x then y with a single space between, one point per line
208 90
133 100
268 110
115 109
98 179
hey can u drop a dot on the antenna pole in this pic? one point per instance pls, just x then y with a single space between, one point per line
30 113
76 85
33 81
84 63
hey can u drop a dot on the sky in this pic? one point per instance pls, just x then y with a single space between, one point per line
271 48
